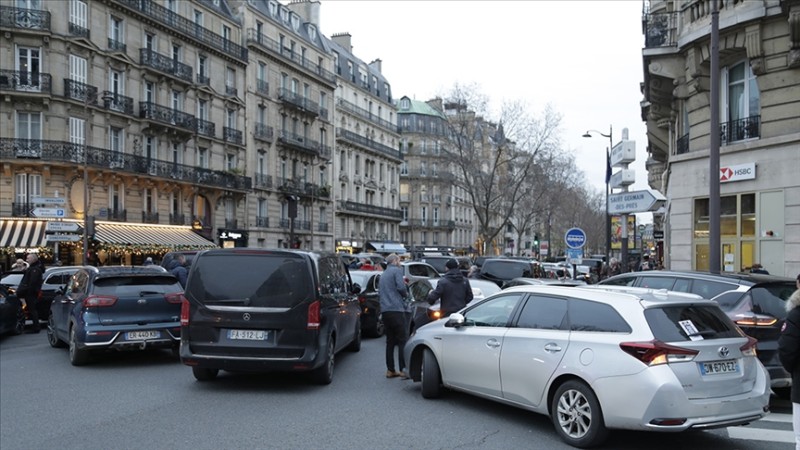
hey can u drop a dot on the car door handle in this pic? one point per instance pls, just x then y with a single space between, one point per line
492 343
552 347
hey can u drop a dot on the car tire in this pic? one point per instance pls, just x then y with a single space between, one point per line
324 373
52 336
19 326
431 375
355 345
576 415
203 374
77 357
379 329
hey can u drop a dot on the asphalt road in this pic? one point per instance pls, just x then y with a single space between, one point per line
149 400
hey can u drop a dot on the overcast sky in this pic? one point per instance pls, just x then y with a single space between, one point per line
582 57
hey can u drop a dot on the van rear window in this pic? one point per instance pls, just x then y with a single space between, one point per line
257 280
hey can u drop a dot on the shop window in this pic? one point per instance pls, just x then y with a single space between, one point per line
748 227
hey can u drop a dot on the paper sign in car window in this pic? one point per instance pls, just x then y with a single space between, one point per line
690 330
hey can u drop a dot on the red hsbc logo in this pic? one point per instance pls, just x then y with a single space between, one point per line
737 173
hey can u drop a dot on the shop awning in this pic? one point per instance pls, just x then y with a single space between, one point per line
386 247
127 234
22 234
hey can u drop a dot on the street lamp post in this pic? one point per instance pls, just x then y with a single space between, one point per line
610 137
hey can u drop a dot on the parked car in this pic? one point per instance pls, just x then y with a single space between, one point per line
115 308
371 321
704 284
423 312
521 281
12 318
416 270
760 311
54 279
438 263
259 310
594 360
501 270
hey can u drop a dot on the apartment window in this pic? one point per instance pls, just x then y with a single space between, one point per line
202 157
116 198
404 168
261 77
424 213
230 118
172 5
198 17
358 164
176 52
116 82
149 200
149 92
177 101
306 90
78 13
29 64
740 102
116 139
404 209
27 186
202 109
177 153
230 161
423 170
77 72
116 31
29 125
259 30
262 115
262 162
175 204
150 147
202 69
262 207
149 41
230 79
323 136
436 216
226 32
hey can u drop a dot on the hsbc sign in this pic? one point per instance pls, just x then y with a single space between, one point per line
737 173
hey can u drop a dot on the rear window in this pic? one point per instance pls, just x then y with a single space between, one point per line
437 263
135 285
506 270
708 289
670 323
259 280
771 299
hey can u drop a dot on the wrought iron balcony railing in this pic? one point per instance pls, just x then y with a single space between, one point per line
165 64
29 19
22 209
739 130
169 116
368 144
232 135
323 227
660 29
262 88
263 132
82 92
304 144
231 223
371 209
78 31
298 101
206 128
366 115
16 80
69 153
263 180
117 102
174 21
114 214
285 223
149 217
231 91
267 43
177 219
682 145
117 46
203 79
262 221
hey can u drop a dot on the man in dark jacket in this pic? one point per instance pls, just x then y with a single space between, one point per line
177 267
453 290
29 288
789 354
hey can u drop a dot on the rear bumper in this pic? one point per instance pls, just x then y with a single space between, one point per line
309 360
118 339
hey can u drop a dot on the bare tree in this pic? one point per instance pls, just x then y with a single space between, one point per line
493 159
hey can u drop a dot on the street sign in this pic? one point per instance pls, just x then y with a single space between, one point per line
737 173
48 212
635 202
575 238
544 248
63 237
624 152
63 227
575 256
49 201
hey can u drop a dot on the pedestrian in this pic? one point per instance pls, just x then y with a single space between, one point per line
29 288
148 261
614 268
473 272
645 264
392 292
789 354
20 265
453 290
178 268
758 268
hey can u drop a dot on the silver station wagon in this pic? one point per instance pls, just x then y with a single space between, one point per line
595 360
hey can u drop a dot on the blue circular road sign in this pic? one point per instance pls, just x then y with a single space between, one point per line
575 238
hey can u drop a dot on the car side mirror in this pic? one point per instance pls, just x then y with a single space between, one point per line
355 288
455 320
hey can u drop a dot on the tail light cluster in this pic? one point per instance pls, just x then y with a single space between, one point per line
749 349
99 301
313 316
362 299
184 311
755 320
656 352
174 298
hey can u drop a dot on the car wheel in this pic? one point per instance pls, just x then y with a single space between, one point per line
783 392
576 415
355 346
202 374
324 373
77 356
379 328
19 326
431 375
52 337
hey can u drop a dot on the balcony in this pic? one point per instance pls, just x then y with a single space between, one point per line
25 19
263 132
354 138
206 128
274 47
263 181
101 158
740 130
366 115
262 88
117 46
175 22
177 219
660 30
231 223
203 80
149 217
165 64
168 116
298 102
301 187
323 227
370 209
285 223
231 91
116 102
22 209
262 221
302 225
19 81
77 30
304 144
114 214
682 145
232 135
82 92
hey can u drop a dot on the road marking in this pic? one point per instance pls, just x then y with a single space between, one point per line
761 434
776 417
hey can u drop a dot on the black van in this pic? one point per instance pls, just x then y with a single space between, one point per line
255 310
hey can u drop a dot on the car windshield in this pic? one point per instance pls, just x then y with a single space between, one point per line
12 279
690 322
437 263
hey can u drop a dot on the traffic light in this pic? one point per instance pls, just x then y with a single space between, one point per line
536 239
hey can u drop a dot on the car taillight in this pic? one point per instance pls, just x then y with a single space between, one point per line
99 301
184 311
656 352
174 298
749 349
362 299
755 321
313 316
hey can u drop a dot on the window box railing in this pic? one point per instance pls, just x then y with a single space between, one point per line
117 102
231 91
165 64
366 115
78 31
20 81
82 92
149 217
262 221
262 88
253 37
740 130
660 29
232 135
682 145
263 132
369 144
371 209
177 219
115 214
117 46
285 223
203 79
263 180
29 19
206 128
304 144
22 209
294 99
169 116
323 227
231 223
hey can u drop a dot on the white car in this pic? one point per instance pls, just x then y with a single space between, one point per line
424 312
595 360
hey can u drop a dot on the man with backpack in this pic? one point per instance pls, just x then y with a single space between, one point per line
453 290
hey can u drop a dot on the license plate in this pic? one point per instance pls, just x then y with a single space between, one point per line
140 335
248 335
719 367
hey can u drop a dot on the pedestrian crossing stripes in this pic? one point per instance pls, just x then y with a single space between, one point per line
775 427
